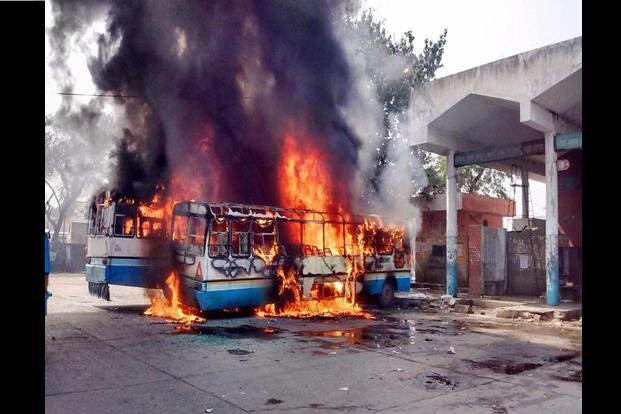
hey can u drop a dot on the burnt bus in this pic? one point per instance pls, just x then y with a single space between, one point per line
126 245
227 254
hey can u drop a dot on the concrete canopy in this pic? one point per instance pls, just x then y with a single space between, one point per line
512 100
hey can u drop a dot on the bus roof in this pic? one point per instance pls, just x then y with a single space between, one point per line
235 210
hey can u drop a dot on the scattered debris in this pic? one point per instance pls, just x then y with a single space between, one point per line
397 369
436 378
273 401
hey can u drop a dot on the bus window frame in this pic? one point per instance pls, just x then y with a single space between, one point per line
151 220
273 224
208 238
192 247
380 233
247 222
181 244
114 228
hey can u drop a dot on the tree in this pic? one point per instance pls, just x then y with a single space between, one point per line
473 179
394 93
75 144
62 170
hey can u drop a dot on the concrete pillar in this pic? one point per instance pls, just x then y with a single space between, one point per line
552 282
451 225
524 180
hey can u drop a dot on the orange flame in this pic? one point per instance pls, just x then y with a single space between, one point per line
296 307
267 255
173 309
305 183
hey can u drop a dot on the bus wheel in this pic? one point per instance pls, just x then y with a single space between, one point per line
387 294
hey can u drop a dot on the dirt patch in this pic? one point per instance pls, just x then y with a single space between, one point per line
504 366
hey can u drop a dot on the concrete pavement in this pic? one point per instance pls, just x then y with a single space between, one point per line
109 358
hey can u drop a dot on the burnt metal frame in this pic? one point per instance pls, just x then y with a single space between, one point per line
234 210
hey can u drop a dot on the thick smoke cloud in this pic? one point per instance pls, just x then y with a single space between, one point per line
215 86
220 84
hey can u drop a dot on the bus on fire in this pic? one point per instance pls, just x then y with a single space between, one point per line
227 255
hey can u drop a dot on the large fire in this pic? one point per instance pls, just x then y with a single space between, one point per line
295 306
303 183
173 308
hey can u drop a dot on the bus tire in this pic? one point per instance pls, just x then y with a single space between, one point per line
387 295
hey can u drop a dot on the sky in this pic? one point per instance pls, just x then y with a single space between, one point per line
479 32
482 31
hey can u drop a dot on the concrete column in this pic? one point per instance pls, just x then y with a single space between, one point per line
552 282
524 172
451 225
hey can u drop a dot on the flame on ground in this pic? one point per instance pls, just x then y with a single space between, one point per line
295 306
173 309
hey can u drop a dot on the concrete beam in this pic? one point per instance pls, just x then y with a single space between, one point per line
536 117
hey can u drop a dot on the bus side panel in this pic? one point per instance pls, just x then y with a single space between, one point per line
373 282
127 272
230 294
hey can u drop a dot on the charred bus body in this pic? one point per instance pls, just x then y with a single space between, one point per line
227 254
125 246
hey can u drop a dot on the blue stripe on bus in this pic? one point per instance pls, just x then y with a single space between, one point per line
151 277
221 299
374 286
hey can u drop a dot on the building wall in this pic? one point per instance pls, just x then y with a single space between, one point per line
476 210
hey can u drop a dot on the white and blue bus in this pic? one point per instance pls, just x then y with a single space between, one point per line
220 253
227 254
125 247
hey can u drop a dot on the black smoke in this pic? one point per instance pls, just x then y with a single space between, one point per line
217 84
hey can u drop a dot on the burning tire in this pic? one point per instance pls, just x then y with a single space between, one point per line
387 295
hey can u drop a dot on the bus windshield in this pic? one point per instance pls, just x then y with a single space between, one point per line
189 233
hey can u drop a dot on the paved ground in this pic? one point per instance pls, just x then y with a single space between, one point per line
107 358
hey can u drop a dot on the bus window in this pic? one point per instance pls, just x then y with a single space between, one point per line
240 237
196 234
150 228
399 251
290 237
312 235
219 237
180 229
384 242
263 235
123 225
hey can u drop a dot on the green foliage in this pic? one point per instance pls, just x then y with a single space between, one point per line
394 78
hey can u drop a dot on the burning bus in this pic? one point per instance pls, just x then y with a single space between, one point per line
126 245
235 255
